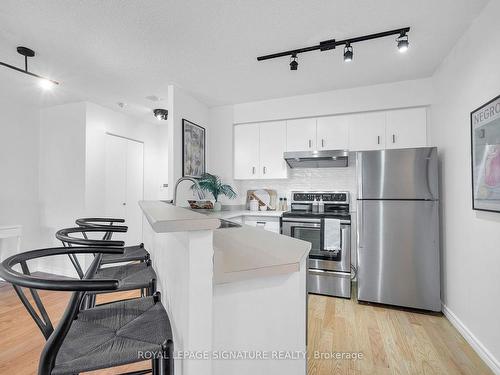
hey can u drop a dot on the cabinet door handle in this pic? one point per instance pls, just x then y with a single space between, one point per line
394 138
253 170
322 143
378 139
261 223
310 143
264 170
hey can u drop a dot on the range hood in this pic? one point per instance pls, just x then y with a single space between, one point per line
317 159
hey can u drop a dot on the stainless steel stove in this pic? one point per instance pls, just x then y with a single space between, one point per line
329 232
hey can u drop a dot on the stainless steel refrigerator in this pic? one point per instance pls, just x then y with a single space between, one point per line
398 227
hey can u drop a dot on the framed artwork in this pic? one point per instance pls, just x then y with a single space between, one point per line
193 149
485 158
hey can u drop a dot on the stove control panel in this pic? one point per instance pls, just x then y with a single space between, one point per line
327 196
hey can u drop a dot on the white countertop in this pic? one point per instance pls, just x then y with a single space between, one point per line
165 217
228 214
240 253
250 252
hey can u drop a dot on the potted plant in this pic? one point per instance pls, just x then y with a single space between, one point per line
216 187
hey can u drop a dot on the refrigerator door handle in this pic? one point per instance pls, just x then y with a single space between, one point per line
360 225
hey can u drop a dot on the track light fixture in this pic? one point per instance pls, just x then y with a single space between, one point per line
44 83
348 50
294 64
160 114
403 43
348 53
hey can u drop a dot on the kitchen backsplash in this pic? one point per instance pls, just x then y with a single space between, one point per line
342 179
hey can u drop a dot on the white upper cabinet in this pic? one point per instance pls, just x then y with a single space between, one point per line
406 128
258 151
367 131
272 147
246 151
332 133
301 134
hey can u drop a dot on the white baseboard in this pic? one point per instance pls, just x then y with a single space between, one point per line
478 347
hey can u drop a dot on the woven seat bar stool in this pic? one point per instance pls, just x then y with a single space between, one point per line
106 336
131 253
130 276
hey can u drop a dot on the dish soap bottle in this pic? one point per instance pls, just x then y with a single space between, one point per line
315 206
321 205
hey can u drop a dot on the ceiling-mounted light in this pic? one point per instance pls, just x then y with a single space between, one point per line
330 44
45 83
403 43
160 114
294 63
348 53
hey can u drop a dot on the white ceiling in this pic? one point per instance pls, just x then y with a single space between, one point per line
115 50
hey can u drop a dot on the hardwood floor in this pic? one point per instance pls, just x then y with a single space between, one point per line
391 341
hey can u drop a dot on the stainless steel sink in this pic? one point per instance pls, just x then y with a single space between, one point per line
228 224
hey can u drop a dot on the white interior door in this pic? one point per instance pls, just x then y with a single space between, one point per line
124 184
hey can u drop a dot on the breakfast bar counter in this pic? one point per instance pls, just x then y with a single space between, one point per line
232 290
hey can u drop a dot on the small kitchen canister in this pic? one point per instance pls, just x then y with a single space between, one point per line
254 205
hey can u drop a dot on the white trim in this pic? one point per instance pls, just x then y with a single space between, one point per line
478 347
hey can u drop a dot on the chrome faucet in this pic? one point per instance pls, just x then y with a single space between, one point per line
199 191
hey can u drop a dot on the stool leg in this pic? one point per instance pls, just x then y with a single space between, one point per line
155 365
152 287
167 360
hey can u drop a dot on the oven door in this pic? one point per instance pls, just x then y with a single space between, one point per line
303 229
312 230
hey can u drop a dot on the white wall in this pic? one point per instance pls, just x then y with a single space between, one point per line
62 168
468 78
360 99
72 166
19 132
182 106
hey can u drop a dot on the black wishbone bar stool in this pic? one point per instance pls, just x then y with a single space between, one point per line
131 253
105 336
130 276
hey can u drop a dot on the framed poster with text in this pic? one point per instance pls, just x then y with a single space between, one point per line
485 158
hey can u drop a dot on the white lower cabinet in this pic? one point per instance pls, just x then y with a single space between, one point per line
269 223
258 151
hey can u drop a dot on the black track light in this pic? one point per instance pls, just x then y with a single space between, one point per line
160 114
348 53
44 83
294 63
331 44
403 43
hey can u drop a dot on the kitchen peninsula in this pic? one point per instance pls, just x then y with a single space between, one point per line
237 291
